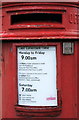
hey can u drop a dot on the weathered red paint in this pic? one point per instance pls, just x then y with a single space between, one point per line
40 34
68 29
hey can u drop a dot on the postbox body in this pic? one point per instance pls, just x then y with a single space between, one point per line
40 57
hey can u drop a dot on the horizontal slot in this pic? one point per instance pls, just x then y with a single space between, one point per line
36 17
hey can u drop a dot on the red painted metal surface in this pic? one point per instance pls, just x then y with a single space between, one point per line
77 43
30 33
67 29
1 59
68 83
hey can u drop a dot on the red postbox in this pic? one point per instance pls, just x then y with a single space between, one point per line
39 59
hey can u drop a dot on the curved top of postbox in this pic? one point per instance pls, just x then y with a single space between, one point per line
40 1
74 2
56 19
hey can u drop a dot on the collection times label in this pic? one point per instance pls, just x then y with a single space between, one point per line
37 76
